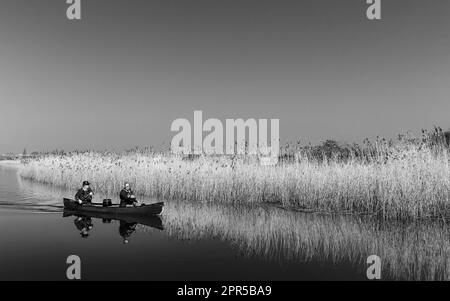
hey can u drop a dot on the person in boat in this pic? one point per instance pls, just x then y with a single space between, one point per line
126 229
84 225
127 196
84 194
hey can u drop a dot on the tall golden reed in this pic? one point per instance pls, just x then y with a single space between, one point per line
411 181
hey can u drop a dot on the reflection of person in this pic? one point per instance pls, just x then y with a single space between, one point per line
127 196
84 195
126 229
84 225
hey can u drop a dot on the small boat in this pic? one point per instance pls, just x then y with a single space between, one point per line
114 211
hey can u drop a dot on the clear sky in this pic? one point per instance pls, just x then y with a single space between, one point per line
120 76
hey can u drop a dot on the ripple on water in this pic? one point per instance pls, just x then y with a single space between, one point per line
17 193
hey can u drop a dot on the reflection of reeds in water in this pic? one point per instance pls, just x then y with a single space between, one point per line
408 250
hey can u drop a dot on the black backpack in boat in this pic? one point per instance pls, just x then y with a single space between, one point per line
107 203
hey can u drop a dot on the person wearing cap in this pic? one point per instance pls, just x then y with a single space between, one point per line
127 196
84 195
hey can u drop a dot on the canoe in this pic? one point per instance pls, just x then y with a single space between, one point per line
115 211
153 221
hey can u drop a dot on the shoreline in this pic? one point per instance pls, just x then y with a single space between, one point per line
410 183
10 162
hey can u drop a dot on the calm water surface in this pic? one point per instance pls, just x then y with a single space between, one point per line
209 242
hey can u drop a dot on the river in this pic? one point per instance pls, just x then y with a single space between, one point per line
195 241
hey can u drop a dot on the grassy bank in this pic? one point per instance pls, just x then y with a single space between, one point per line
404 180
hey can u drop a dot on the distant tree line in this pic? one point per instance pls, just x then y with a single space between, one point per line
329 150
380 149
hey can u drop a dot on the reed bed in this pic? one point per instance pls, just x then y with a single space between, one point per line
411 180
409 250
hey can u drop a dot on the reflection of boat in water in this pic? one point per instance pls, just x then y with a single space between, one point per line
152 221
114 211
84 225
